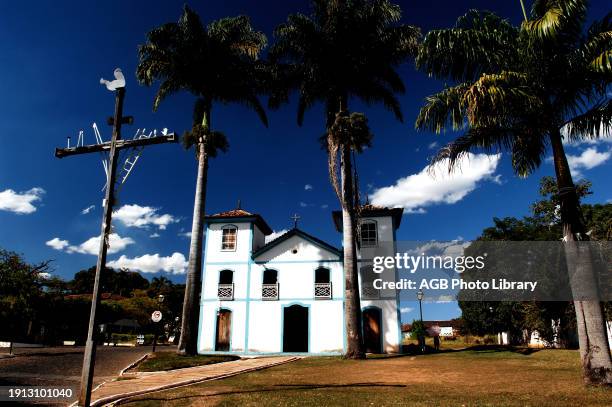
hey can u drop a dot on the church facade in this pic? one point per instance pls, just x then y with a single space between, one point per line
287 295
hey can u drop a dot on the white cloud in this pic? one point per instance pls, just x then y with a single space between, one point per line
432 145
142 216
57 243
434 185
445 299
185 234
275 234
88 209
324 206
154 235
152 263
406 310
497 179
307 187
92 245
453 248
303 204
20 202
589 158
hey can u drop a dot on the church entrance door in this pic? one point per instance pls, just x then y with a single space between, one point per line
295 329
372 330
224 330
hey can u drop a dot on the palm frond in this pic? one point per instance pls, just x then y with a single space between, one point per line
528 149
479 42
238 34
343 48
596 49
552 18
495 99
475 139
595 123
443 109
166 88
217 63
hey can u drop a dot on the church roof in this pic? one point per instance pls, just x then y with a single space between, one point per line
241 214
295 232
372 210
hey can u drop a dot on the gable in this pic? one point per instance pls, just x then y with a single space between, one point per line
296 246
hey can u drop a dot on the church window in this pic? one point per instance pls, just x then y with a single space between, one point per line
270 277
368 233
225 289
269 288
228 238
322 286
226 277
322 275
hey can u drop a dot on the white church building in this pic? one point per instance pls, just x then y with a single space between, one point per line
286 295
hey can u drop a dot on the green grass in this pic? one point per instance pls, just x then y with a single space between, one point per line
170 360
477 377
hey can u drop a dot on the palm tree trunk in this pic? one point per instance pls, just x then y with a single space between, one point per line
592 334
191 303
352 302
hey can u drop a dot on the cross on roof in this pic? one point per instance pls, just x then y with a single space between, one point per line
296 218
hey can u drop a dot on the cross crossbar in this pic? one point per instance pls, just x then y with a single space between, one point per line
119 144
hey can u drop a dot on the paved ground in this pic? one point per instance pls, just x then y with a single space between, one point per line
141 383
61 366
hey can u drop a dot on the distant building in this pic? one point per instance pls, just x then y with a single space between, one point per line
444 329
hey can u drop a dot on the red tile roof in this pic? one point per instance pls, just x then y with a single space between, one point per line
241 213
234 213
373 211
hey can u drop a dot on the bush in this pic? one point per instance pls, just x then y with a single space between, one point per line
488 340
418 330
123 338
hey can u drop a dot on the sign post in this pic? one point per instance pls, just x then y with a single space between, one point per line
156 316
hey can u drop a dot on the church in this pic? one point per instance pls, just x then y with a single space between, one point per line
287 295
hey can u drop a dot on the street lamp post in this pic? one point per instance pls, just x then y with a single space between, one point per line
420 296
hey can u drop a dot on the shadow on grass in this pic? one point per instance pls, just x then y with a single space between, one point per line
413 350
274 388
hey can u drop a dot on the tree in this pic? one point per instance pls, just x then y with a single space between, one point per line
342 50
217 64
521 89
20 293
543 224
122 282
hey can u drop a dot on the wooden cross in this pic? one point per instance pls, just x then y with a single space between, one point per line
296 218
113 147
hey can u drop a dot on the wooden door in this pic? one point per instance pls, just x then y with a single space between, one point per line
224 330
372 330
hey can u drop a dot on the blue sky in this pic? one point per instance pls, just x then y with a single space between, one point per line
52 59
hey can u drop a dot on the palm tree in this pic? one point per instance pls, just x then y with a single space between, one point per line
522 89
344 49
216 63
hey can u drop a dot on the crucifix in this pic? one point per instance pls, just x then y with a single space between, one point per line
296 218
113 147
